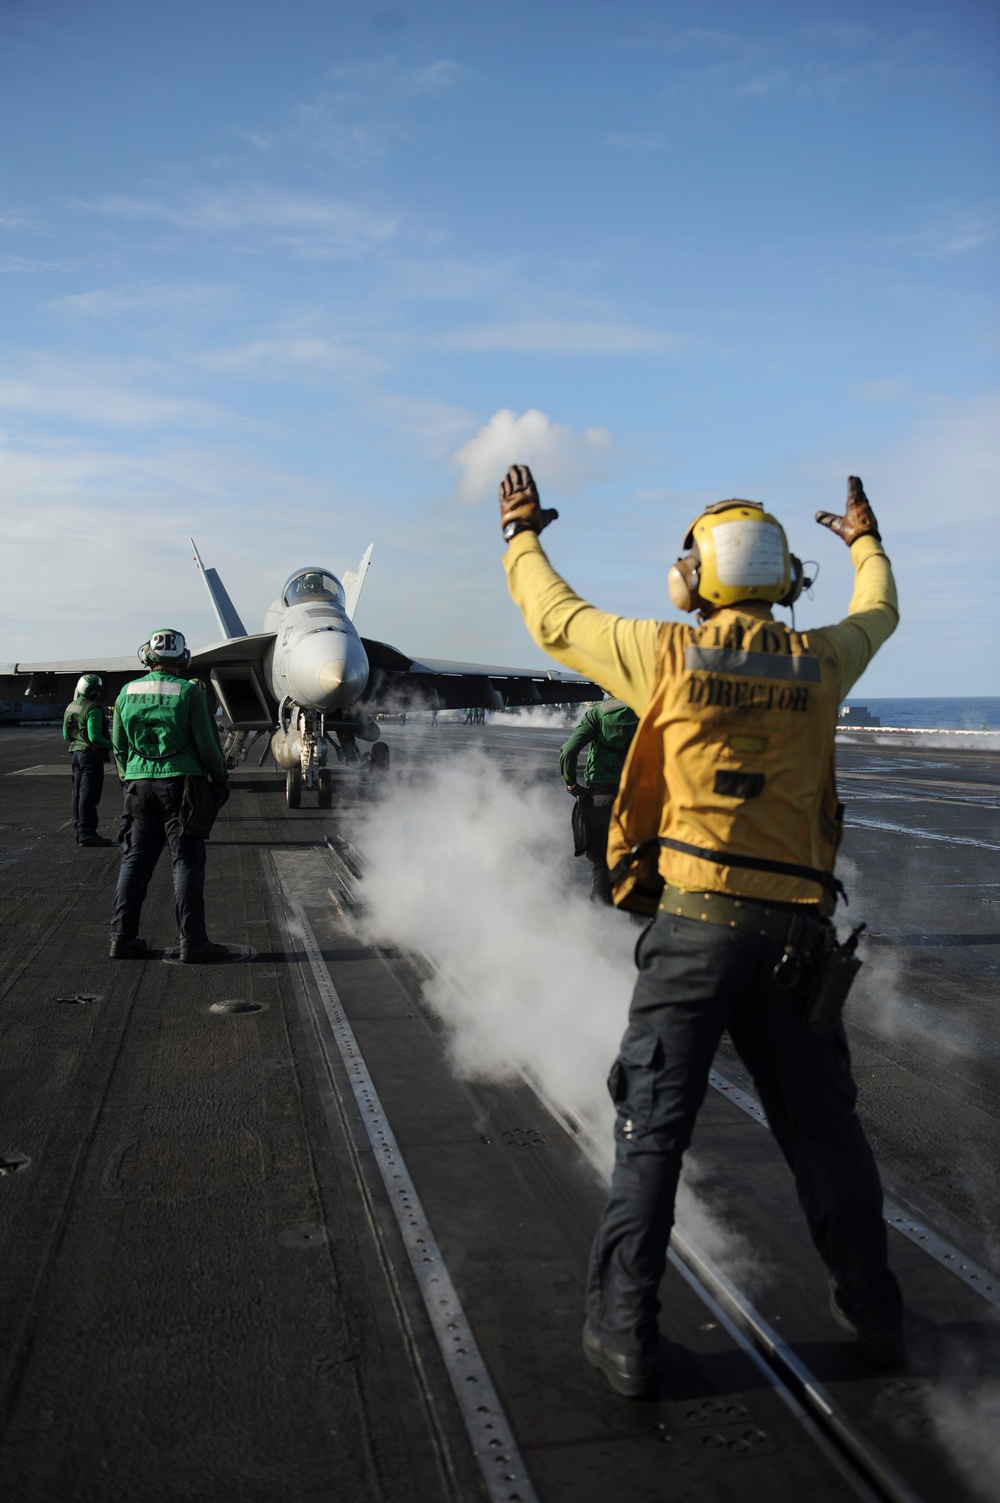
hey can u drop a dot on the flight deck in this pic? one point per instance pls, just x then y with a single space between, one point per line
261 1241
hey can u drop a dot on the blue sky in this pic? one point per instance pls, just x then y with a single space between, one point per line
298 278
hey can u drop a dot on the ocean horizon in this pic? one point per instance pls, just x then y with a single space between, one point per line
935 714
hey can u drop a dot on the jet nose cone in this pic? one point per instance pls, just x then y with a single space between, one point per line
329 670
331 675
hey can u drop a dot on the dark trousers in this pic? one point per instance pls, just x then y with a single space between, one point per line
695 980
151 820
88 784
597 814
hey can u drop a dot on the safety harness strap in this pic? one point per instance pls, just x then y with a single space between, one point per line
726 858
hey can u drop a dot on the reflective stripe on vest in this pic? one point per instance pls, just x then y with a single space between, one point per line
735 754
156 687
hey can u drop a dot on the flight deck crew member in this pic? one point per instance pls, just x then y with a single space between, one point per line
726 829
85 728
163 733
607 730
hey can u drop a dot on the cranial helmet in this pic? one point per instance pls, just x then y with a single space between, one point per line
165 646
737 551
89 686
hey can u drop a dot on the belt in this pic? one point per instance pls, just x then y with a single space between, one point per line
750 915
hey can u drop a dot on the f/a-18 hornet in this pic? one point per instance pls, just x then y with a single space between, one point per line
311 681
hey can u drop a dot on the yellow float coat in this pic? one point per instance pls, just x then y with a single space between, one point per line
735 748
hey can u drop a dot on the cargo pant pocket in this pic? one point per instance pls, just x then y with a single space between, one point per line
127 820
632 1081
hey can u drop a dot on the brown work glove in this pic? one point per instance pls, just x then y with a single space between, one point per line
858 520
519 502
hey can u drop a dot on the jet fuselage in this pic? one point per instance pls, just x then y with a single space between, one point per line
317 661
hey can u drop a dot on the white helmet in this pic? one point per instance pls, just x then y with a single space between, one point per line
89 686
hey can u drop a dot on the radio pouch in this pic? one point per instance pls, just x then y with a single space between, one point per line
836 969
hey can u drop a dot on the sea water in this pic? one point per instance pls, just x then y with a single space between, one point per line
935 714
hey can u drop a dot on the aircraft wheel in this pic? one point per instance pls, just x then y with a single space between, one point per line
324 785
380 758
293 788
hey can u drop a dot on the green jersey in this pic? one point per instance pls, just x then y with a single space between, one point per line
607 729
164 729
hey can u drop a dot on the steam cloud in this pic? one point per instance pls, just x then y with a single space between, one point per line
476 872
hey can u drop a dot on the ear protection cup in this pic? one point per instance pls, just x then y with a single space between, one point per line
682 582
797 584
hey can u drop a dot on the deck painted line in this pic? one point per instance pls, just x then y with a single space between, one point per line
489 1430
979 1278
858 822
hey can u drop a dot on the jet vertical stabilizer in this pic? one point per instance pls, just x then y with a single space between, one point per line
225 611
353 581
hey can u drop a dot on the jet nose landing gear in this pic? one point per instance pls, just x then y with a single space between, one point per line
301 745
302 752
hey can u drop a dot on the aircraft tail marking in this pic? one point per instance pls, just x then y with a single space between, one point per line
226 613
353 581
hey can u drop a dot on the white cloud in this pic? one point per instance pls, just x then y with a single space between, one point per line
125 520
22 219
562 461
15 264
884 389
277 357
450 280
948 229
304 223
101 302
102 403
436 77
370 108
553 336
826 62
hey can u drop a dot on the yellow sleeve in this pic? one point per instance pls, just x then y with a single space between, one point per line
615 651
872 615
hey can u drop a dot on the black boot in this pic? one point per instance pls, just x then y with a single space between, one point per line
127 949
632 1374
196 954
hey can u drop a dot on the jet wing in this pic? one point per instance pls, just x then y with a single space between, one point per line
399 680
239 660
54 683
249 650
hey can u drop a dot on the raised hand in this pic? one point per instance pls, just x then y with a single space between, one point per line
519 502
857 521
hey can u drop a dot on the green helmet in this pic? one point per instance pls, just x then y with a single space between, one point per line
166 646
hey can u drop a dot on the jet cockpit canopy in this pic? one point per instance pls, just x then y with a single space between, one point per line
313 586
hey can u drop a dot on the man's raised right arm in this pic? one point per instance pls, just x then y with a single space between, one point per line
873 613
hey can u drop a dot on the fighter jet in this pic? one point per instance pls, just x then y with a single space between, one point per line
310 682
